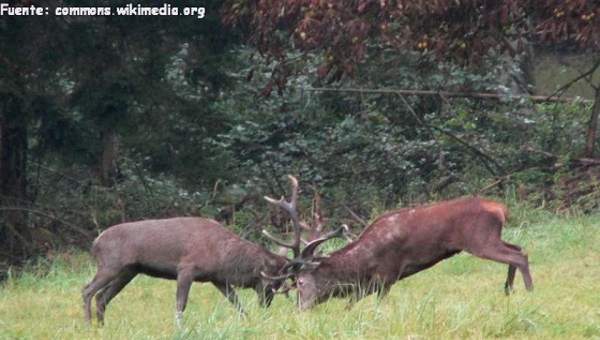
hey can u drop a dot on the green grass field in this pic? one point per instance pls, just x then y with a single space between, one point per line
459 298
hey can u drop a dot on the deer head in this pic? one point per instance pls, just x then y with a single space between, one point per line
306 257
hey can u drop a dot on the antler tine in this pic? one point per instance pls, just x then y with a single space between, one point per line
276 277
276 240
308 252
291 208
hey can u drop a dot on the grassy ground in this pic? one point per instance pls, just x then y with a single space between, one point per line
459 298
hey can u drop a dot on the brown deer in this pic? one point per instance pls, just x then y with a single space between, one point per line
398 244
185 249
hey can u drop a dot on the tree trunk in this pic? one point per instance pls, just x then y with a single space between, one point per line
110 152
15 237
519 80
593 126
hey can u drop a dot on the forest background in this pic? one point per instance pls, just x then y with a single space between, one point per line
374 104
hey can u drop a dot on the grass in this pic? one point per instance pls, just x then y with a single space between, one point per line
459 298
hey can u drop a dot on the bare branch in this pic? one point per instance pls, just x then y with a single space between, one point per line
317 217
355 216
480 95
493 184
563 88
487 159
41 213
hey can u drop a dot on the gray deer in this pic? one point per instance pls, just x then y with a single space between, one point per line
185 249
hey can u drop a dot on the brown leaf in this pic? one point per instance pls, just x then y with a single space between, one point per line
323 70
266 91
250 75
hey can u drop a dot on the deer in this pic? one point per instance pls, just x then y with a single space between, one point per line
185 249
396 245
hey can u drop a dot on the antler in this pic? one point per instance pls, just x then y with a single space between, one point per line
291 208
308 252
316 237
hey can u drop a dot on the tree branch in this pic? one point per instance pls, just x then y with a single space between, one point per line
355 216
41 213
457 139
574 80
481 95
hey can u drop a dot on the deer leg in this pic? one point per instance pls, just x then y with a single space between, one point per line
230 294
353 299
524 269
110 291
184 283
510 277
500 252
383 291
357 293
102 278
265 296
266 299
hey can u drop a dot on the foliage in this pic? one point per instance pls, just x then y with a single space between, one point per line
342 32
85 88
361 147
71 208
123 119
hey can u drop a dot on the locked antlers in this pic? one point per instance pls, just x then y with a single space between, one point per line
316 235
291 207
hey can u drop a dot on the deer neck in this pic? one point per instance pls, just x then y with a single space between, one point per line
341 269
274 263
